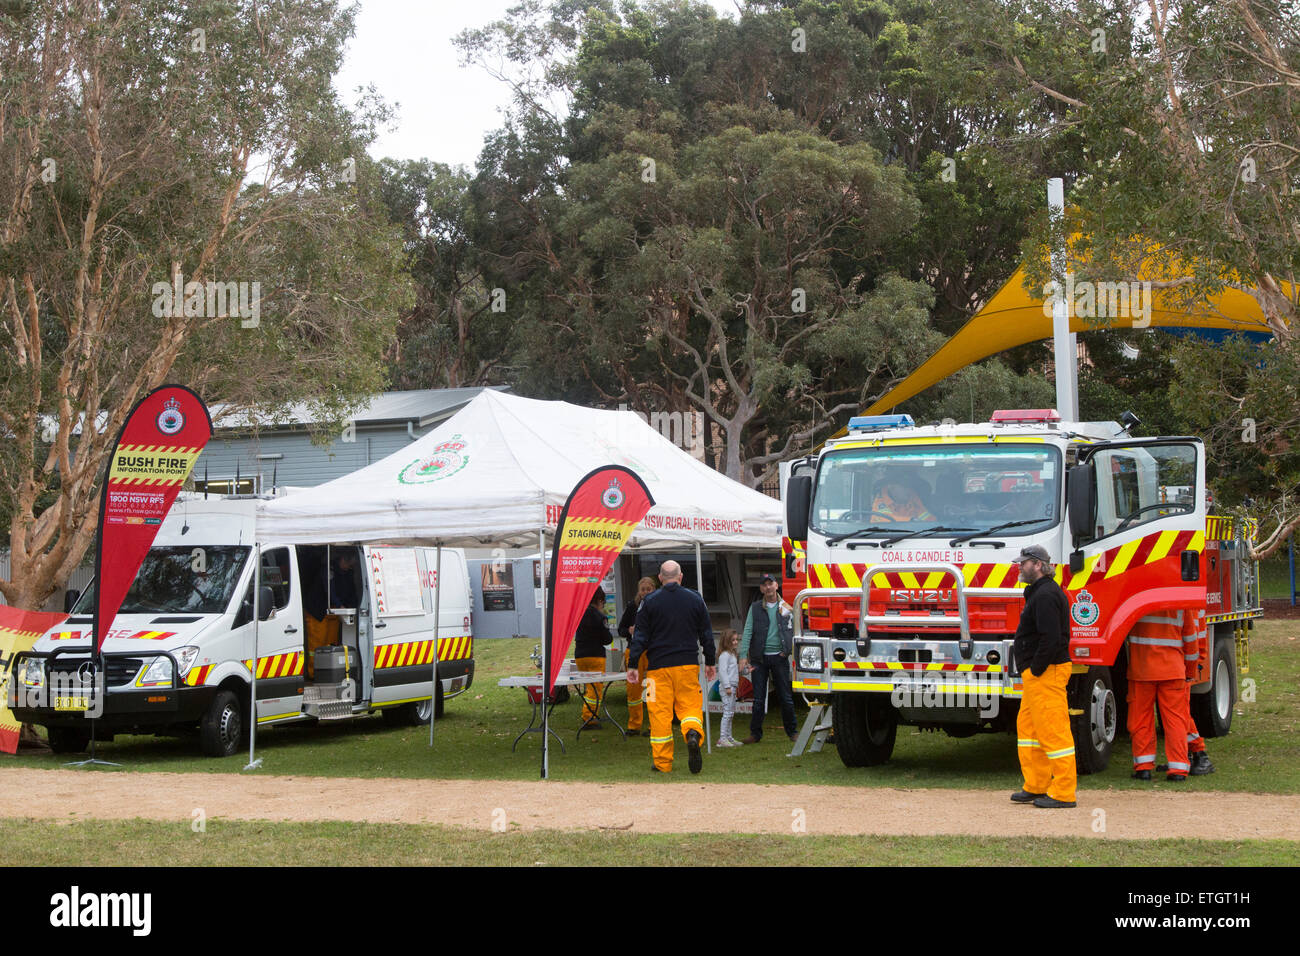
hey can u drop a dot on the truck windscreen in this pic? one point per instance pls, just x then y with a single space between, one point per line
179 580
918 487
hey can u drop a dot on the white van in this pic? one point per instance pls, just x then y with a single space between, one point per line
179 653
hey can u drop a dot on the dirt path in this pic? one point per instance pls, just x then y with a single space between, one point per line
645 808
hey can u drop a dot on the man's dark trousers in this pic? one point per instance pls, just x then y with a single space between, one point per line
778 669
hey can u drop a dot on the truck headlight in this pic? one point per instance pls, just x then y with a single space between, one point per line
160 671
810 657
32 672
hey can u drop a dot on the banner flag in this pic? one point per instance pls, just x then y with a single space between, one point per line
18 632
602 512
162 438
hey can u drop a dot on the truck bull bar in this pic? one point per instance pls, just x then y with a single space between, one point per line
964 643
51 656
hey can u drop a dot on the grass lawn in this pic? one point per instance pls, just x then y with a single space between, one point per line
1275 576
246 843
1262 754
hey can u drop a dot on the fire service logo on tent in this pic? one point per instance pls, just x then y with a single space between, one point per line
443 462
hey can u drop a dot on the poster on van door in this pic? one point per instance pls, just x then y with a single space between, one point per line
153 455
600 515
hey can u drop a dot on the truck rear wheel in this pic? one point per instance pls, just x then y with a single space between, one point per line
865 726
1212 711
1095 729
222 730
68 740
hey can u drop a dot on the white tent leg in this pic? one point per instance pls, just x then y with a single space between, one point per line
254 764
437 620
546 661
704 681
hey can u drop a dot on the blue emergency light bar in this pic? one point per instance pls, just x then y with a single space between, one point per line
875 423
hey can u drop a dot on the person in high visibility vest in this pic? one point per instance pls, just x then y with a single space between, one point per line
1044 742
897 502
589 643
1195 635
635 707
1158 672
672 626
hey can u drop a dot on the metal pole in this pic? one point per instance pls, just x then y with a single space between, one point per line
1065 345
437 620
546 662
1290 550
704 681
253 763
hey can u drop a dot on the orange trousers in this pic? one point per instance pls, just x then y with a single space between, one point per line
590 692
320 634
1043 739
1195 742
670 690
1171 696
635 706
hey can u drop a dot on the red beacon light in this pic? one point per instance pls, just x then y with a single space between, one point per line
1025 416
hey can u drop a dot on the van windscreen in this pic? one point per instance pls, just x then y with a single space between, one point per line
187 579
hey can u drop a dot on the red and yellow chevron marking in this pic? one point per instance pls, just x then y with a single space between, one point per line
65 635
150 635
414 653
183 458
277 665
1108 564
596 534
198 675
915 666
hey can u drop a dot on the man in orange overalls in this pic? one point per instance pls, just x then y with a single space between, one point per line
1196 652
672 626
1158 672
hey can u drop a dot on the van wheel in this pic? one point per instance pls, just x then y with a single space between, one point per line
222 730
1093 730
414 714
67 740
1212 710
865 726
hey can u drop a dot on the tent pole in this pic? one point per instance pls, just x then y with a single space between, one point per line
253 764
704 682
546 659
437 620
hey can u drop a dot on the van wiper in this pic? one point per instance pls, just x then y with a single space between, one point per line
910 534
860 533
1001 527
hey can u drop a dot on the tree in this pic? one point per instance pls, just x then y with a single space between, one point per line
145 145
1189 114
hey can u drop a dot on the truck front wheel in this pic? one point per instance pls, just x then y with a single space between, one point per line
864 726
221 731
1094 730
1212 710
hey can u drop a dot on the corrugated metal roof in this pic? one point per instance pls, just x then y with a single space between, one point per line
421 406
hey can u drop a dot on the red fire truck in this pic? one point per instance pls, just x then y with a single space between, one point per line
900 553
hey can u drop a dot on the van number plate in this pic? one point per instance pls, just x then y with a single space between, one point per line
77 702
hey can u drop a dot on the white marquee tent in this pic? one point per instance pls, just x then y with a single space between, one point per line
500 470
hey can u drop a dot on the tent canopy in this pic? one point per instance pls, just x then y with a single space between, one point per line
500 470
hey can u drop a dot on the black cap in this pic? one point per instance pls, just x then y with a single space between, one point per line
767 577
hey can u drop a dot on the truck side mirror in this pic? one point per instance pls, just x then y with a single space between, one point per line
70 598
1081 495
265 603
1191 565
798 498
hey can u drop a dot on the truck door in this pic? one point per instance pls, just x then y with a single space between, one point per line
279 639
1137 517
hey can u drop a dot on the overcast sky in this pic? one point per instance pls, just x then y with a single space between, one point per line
405 49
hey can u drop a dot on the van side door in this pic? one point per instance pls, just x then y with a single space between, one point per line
402 626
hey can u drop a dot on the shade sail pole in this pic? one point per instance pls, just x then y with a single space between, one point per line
253 764
1065 344
704 681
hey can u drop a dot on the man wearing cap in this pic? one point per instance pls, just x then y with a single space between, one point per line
1042 654
769 638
